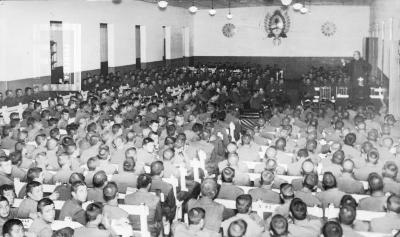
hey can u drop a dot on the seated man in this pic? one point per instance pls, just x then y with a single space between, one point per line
196 223
331 193
72 208
346 182
41 226
157 184
96 193
302 224
34 193
227 189
142 195
347 216
265 193
389 174
65 172
126 178
391 221
94 219
104 161
249 150
287 195
214 210
306 193
378 199
110 208
255 225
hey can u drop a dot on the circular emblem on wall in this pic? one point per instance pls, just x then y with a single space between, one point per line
229 30
277 25
328 28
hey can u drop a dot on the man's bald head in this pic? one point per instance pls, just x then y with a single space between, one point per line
307 167
348 166
237 228
168 154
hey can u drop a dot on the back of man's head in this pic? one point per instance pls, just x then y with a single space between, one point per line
143 181
243 203
110 191
310 181
298 209
196 215
237 228
209 188
156 168
279 225
93 210
347 214
348 200
99 179
375 182
328 181
393 203
286 191
348 166
332 229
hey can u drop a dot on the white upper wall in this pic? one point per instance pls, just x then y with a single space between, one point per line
24 33
304 37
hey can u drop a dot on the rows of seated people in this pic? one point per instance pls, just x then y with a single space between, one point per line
25 96
121 145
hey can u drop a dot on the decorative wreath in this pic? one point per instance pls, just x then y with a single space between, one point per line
229 30
328 28
277 25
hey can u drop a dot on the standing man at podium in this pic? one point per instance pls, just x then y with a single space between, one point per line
358 69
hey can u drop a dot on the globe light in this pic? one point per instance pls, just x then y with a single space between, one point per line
162 4
297 6
286 2
304 10
229 16
212 12
193 9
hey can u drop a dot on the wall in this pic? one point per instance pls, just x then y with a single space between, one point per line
305 43
385 25
24 41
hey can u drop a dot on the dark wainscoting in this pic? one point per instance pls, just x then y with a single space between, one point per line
294 66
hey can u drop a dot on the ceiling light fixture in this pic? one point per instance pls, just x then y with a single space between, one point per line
304 10
193 9
212 11
286 2
297 6
162 4
229 16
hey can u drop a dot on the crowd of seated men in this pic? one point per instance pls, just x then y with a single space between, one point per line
24 97
125 141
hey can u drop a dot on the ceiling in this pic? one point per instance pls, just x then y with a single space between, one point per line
206 4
